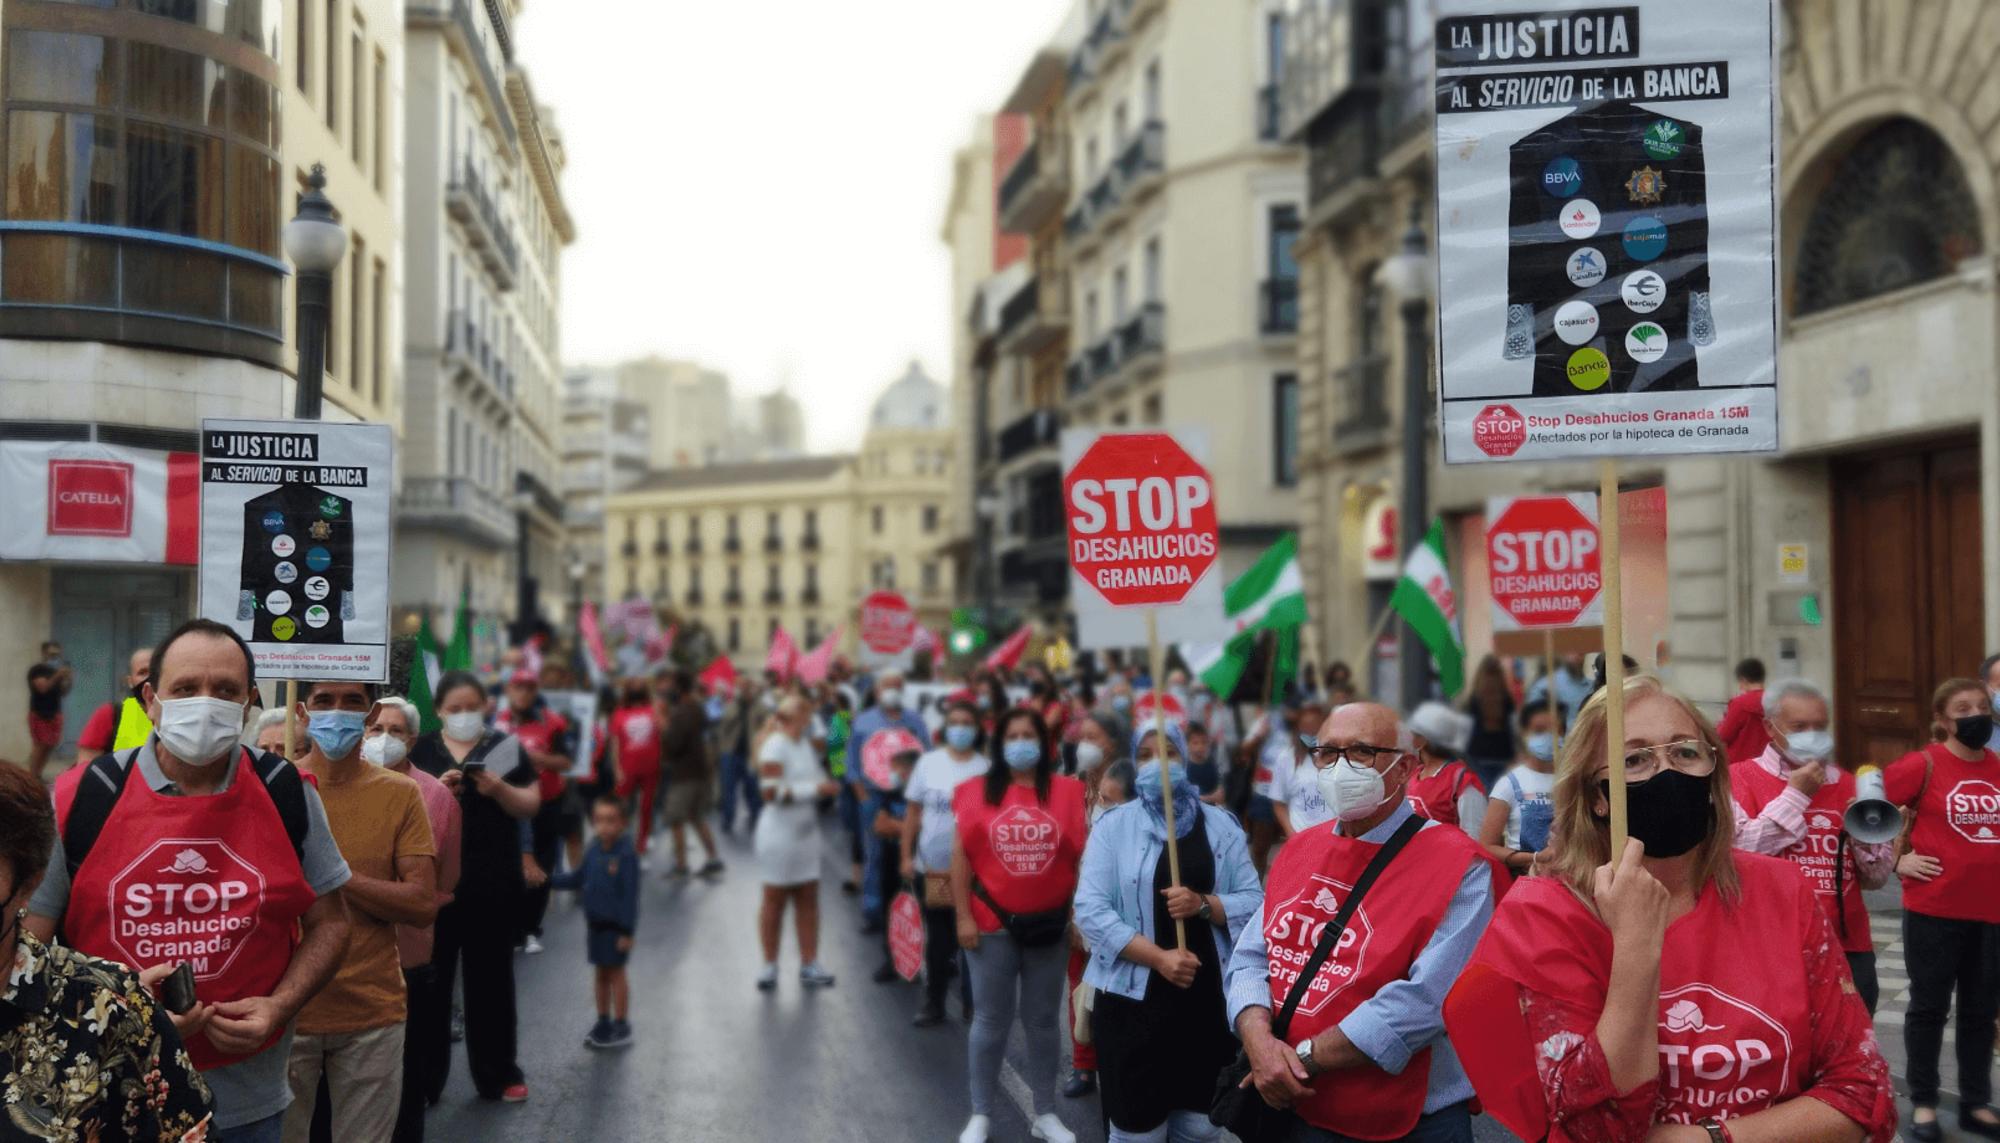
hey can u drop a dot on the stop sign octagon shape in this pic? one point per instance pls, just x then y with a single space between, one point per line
1543 559
1141 513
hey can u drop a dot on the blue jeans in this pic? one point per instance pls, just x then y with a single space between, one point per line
270 1130
1450 1124
737 775
873 854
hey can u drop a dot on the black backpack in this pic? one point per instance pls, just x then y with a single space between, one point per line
98 790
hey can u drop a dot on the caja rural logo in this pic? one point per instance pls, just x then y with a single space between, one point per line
191 899
1718 1054
1294 931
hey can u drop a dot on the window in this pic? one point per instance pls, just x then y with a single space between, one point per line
333 66
771 577
376 322
357 279
1090 316
1285 430
1153 90
812 577
728 527
1282 235
1369 338
379 134
812 521
1150 410
1274 48
1151 269
1121 128
1090 158
1120 287
303 55
735 634
735 582
771 630
771 524
660 580
930 518
875 519
451 451
930 577
358 67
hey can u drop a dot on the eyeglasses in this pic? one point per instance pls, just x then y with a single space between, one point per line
1359 753
1691 756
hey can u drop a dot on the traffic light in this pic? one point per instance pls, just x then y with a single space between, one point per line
968 630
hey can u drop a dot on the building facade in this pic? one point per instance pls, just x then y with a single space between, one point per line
153 154
485 225
970 232
606 447
903 510
1888 213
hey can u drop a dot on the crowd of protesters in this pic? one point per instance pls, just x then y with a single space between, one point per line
1321 920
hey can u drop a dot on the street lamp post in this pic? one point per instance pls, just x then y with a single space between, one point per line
315 242
1407 274
990 506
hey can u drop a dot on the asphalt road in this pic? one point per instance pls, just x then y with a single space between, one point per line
717 1060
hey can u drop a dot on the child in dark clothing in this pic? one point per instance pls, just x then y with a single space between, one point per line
609 880
888 824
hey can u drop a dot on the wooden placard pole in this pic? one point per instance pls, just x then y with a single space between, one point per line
1160 753
1614 651
289 688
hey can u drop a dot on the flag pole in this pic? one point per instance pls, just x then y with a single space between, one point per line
1614 652
1374 633
1160 752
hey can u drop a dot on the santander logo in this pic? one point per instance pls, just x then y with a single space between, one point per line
1293 930
1973 809
1719 1056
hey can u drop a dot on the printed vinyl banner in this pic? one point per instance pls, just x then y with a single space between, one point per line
295 524
96 503
1606 213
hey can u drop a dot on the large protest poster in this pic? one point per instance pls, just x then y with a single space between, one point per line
1606 220
295 526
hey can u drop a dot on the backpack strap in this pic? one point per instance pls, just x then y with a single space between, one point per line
287 788
90 806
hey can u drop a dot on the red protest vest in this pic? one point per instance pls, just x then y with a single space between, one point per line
637 729
1735 1029
537 734
1436 797
1025 853
1820 852
212 881
1309 881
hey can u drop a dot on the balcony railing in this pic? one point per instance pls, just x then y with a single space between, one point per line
1269 125
809 542
1142 158
693 546
773 545
457 505
809 595
1019 177
529 488
732 597
773 596
467 199
694 597
1038 429
1278 306
1361 395
1103 357
1144 336
629 549
1035 187
663 547
732 546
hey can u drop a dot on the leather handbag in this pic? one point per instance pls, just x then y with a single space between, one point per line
1240 1108
1029 930
937 891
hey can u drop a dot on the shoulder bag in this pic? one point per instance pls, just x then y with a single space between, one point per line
1029 930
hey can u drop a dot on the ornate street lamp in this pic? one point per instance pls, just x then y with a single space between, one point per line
315 242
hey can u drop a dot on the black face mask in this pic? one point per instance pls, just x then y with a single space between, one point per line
1669 812
1973 731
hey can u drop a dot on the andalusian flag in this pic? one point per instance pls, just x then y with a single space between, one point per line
424 672
1271 596
458 656
1423 597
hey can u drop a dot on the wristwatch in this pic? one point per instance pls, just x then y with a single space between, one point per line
1305 1051
1207 911
1716 1132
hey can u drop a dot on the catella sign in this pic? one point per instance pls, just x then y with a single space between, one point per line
90 498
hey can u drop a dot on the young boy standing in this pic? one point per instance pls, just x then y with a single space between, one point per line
609 880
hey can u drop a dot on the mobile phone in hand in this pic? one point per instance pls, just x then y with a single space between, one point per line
470 769
177 990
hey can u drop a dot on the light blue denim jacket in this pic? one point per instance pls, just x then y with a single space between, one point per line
1115 899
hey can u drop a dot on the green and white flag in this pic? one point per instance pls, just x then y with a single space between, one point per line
424 673
1270 596
1423 597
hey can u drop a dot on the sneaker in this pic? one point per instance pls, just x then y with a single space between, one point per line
515 1093
975 1130
815 976
929 1016
1051 1130
600 1033
621 1035
679 873
712 867
1081 1083
532 946
886 974
767 978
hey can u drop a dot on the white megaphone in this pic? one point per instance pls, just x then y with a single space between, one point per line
1871 817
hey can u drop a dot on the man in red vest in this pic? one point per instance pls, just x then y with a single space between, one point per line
1790 802
190 849
1365 1055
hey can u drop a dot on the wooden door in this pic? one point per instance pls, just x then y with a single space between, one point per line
1909 608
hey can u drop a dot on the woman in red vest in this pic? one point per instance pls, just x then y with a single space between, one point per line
1445 789
1951 903
1690 993
1014 861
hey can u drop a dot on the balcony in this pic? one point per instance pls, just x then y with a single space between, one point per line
1142 340
1035 316
629 549
809 595
1360 393
809 542
532 495
694 597
1039 429
1352 92
1278 307
732 546
462 32
773 596
1142 163
773 545
456 505
732 597
1269 117
467 200
1036 186
693 546
663 547
1102 46
1133 175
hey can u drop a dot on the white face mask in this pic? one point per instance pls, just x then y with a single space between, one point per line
383 750
464 726
1352 792
892 698
199 731
1089 755
1807 746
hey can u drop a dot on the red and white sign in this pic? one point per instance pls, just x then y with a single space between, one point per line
1141 512
906 936
1719 1055
1543 561
77 500
1294 929
1170 708
1973 809
1025 840
1499 430
888 625
878 755
187 899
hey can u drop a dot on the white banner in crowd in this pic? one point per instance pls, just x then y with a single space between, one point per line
1605 218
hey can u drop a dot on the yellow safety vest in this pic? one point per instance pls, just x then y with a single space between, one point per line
133 726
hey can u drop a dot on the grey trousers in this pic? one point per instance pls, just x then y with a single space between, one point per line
1000 967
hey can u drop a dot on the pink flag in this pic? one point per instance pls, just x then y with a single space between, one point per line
719 675
593 636
531 655
783 658
1008 654
813 668
660 645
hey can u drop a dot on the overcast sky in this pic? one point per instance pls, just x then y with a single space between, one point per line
758 184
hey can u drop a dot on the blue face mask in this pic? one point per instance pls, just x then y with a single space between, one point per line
1542 747
1121 703
1149 782
336 732
961 737
1021 753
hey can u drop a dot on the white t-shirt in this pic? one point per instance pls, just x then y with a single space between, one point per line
1527 794
931 786
1296 783
1275 755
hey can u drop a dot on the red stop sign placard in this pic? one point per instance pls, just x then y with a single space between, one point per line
887 624
1170 709
1543 560
1141 513
1499 430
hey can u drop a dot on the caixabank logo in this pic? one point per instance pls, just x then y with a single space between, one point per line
1025 839
1973 809
1294 930
186 899
1719 1056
